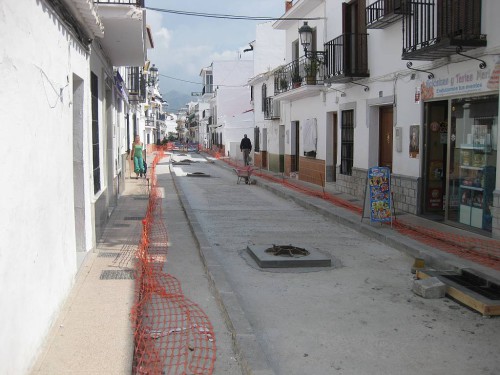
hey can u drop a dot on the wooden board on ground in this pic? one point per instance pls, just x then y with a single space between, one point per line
462 294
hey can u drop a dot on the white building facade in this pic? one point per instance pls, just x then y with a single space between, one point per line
226 90
67 159
373 91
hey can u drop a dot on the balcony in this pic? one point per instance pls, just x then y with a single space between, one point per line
305 73
125 35
150 121
136 85
271 109
383 13
347 58
435 29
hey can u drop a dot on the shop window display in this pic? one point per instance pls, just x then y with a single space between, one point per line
473 172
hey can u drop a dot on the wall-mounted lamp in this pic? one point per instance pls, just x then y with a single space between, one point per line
305 34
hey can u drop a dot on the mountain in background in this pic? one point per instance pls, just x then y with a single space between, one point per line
176 100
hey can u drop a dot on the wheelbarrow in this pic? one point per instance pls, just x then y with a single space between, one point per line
243 174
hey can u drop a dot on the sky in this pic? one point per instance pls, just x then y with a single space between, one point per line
186 44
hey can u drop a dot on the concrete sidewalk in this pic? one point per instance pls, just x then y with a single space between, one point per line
93 333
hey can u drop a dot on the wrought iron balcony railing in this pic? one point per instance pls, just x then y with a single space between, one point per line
150 121
303 71
435 29
347 58
383 13
136 84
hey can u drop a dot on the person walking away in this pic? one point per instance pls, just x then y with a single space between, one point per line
137 157
245 147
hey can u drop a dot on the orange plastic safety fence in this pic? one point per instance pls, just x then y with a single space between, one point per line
172 334
482 251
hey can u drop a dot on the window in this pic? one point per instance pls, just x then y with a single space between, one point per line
256 139
96 168
209 89
347 143
264 96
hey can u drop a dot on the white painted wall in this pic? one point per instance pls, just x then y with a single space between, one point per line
232 99
269 50
37 227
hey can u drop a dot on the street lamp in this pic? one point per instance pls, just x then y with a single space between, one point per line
153 75
153 79
306 34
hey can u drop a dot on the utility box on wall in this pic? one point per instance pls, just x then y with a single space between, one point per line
398 137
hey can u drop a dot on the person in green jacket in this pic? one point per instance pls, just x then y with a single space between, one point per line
137 156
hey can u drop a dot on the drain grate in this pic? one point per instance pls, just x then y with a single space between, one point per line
476 284
117 275
287 251
133 218
107 254
141 198
118 225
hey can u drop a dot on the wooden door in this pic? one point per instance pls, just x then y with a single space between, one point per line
385 137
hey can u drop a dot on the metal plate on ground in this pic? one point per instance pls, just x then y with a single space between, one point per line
268 260
133 218
117 275
107 254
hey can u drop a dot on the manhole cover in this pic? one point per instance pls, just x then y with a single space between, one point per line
287 251
198 174
117 275
287 256
133 218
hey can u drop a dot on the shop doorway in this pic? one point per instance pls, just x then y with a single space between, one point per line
435 159
385 137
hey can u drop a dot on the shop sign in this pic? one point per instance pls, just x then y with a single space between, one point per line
476 80
379 184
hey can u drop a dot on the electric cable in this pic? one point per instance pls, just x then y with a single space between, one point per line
231 16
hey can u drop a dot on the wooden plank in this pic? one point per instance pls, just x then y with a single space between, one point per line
461 295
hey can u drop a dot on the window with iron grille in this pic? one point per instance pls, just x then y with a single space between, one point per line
256 139
347 142
96 168
264 96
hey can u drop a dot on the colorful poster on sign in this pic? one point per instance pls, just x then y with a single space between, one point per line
379 181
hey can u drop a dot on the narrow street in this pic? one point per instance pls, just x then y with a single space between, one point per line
357 317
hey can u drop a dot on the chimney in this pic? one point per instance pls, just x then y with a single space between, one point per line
288 5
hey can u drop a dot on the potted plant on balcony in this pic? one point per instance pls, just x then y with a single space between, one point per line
296 79
283 84
311 70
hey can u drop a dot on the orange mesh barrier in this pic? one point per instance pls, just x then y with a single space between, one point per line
479 250
172 334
